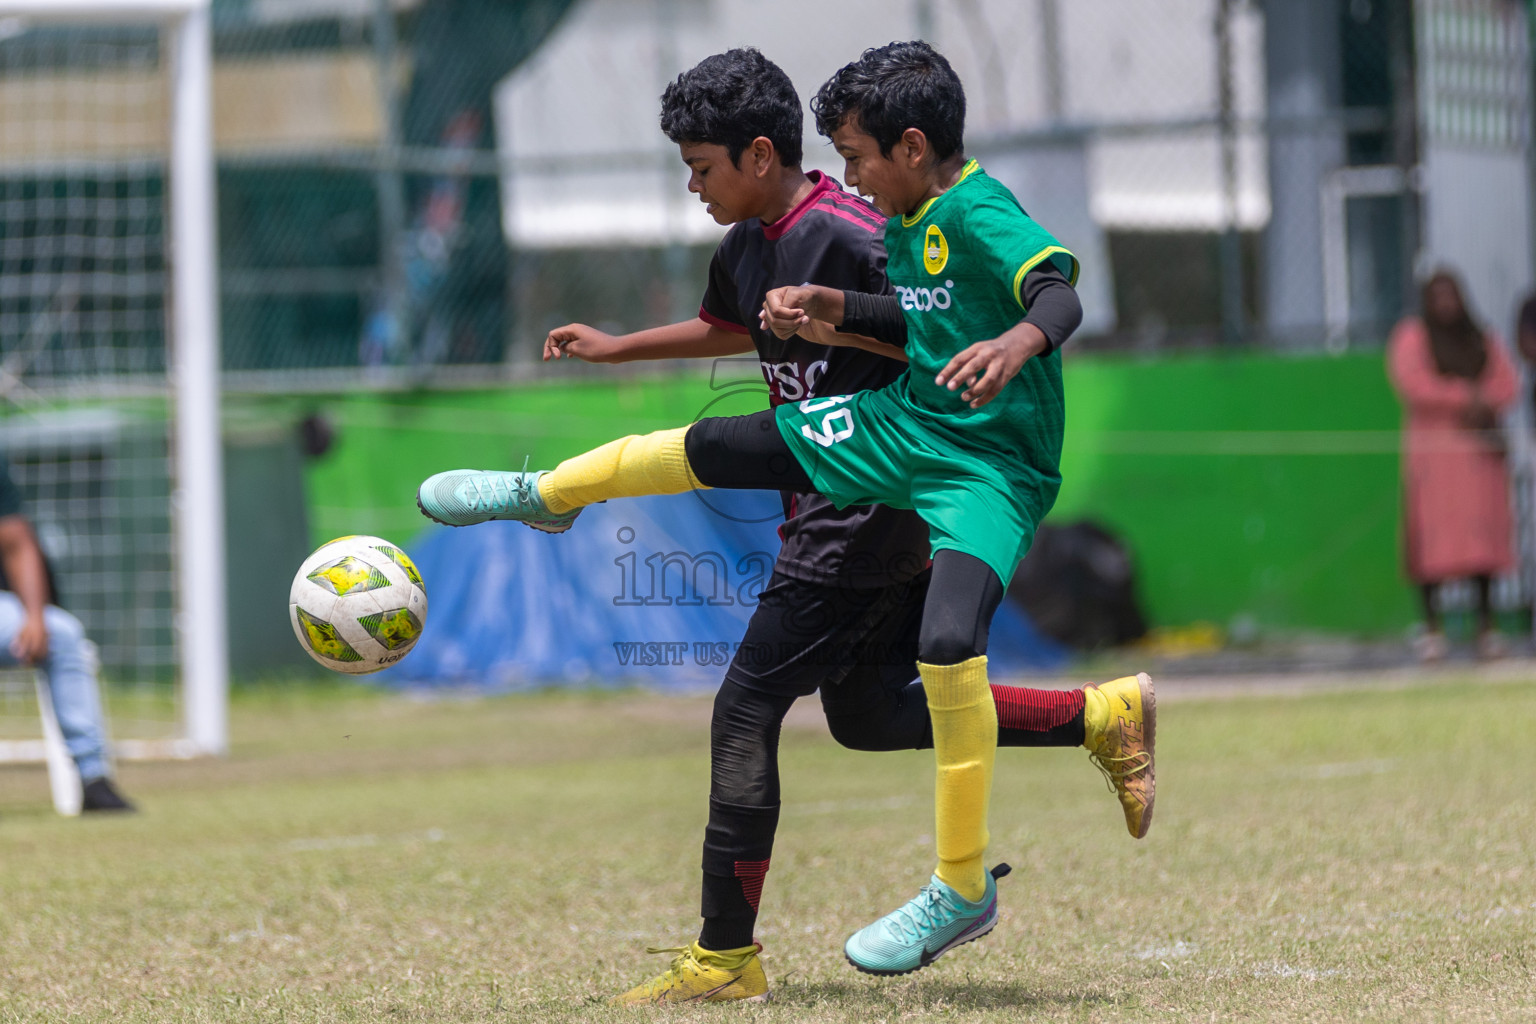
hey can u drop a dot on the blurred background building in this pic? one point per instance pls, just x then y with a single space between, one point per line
412 192
1232 171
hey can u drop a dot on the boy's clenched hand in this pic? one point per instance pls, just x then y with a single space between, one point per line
986 366
578 341
792 307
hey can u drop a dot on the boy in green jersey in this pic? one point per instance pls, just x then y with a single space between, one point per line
959 250
970 436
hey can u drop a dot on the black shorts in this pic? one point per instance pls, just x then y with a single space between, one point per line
845 641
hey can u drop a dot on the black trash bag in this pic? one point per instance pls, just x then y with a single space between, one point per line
1079 587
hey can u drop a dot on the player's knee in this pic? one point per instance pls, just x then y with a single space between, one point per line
852 731
942 648
864 732
949 638
744 744
64 630
740 710
957 613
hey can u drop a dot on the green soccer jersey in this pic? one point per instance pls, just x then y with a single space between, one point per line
982 479
958 264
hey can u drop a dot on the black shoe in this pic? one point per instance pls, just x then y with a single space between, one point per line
99 795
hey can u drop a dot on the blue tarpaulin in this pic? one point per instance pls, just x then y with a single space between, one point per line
649 591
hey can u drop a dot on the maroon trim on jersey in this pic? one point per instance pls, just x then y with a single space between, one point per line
865 214
838 211
720 322
794 506
820 186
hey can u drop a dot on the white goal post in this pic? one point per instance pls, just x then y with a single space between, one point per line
193 358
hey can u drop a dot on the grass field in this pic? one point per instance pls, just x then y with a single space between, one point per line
360 857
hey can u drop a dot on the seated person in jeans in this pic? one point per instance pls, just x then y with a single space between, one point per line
34 631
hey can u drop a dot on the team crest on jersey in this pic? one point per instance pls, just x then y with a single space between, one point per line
935 250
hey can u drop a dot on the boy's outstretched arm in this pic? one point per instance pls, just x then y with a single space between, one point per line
687 340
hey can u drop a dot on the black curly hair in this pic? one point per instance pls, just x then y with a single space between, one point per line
892 88
732 98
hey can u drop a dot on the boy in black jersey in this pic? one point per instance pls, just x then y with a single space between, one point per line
842 611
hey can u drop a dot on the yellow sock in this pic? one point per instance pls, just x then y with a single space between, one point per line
726 959
1098 716
964 747
627 468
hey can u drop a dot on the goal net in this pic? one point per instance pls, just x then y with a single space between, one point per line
109 355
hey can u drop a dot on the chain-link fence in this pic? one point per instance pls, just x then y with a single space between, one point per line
359 206
410 186
412 192
1232 171
84 290
83 308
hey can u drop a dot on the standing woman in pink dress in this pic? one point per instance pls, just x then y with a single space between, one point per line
1454 380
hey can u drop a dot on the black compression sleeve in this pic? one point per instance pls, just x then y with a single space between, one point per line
743 453
878 316
1052 303
963 595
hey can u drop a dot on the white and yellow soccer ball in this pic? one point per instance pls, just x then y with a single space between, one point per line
358 604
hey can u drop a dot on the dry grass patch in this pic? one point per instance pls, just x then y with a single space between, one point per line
364 857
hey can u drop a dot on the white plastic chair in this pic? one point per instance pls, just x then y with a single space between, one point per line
63 778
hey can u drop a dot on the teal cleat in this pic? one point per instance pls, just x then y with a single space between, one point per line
932 923
464 497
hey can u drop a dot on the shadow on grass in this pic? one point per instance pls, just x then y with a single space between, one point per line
930 995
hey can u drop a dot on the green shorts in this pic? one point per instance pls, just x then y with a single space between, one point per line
870 448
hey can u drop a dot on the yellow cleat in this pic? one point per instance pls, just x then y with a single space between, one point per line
698 975
1119 730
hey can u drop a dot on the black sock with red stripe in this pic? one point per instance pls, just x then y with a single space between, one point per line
738 844
1038 718
734 902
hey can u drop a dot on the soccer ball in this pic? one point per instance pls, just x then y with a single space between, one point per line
357 604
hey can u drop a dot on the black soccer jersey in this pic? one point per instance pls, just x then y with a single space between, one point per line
835 239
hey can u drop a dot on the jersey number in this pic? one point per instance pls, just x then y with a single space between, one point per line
836 425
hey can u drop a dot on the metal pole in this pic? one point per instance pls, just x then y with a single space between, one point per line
1231 256
1530 138
922 19
389 183
199 495
1528 530
1405 138
1050 43
681 301
518 355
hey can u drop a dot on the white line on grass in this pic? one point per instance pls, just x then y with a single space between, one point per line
1178 950
259 932
1287 971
